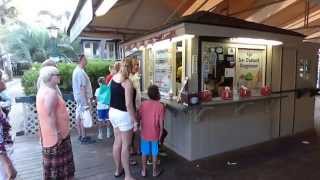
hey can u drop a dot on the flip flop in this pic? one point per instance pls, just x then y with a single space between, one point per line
158 173
119 174
133 162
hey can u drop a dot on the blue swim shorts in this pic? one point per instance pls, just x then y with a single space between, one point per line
103 114
149 147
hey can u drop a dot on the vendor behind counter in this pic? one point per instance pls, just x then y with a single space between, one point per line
216 81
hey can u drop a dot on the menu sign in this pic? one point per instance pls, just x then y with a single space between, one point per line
249 66
162 71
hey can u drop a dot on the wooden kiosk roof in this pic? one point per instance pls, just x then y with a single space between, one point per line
204 17
169 30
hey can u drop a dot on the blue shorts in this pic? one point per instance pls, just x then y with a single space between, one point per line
103 114
149 147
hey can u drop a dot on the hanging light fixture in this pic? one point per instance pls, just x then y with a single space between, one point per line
255 41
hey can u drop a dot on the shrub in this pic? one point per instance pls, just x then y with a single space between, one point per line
94 69
29 80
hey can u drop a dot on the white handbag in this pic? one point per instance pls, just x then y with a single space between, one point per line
87 119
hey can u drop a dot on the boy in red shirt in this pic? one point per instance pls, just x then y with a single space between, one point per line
152 117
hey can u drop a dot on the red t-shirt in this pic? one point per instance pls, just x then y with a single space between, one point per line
108 78
152 114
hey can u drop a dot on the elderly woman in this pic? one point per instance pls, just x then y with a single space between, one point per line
48 62
54 127
122 118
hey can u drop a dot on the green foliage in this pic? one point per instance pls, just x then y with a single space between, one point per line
27 43
66 70
94 69
29 80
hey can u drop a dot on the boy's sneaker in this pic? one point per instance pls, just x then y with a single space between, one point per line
100 137
149 162
109 133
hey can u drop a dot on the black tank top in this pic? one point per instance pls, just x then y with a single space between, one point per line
117 100
134 99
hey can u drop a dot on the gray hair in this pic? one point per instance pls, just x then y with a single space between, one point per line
45 75
48 62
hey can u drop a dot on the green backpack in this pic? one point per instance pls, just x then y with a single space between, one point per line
104 94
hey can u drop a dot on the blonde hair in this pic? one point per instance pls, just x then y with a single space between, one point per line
125 69
115 67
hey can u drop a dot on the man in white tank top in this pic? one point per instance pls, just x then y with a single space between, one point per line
82 92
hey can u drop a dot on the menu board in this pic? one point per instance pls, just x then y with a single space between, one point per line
162 71
249 67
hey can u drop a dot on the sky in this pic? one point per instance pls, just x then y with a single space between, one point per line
28 11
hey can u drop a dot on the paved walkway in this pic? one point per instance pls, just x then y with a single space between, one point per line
296 158
290 159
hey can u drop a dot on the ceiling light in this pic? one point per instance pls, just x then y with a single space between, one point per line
255 41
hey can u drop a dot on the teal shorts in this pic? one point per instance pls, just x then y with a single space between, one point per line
149 147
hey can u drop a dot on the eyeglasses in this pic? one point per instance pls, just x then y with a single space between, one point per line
56 74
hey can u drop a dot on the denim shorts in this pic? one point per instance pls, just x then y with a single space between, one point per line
149 147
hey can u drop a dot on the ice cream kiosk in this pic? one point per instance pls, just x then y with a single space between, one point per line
227 83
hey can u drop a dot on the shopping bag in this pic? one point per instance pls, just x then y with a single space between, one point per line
87 119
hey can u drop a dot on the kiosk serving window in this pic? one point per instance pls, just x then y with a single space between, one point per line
162 71
233 65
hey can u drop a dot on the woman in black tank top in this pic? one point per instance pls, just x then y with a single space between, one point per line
117 100
122 118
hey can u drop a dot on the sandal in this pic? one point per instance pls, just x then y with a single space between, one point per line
119 174
133 162
158 173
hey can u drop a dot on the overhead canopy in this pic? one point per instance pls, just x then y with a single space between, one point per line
129 18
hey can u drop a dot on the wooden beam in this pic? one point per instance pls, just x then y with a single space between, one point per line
285 15
174 13
300 22
313 36
210 4
295 14
194 7
255 7
269 11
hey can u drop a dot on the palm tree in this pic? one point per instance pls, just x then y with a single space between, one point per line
34 45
